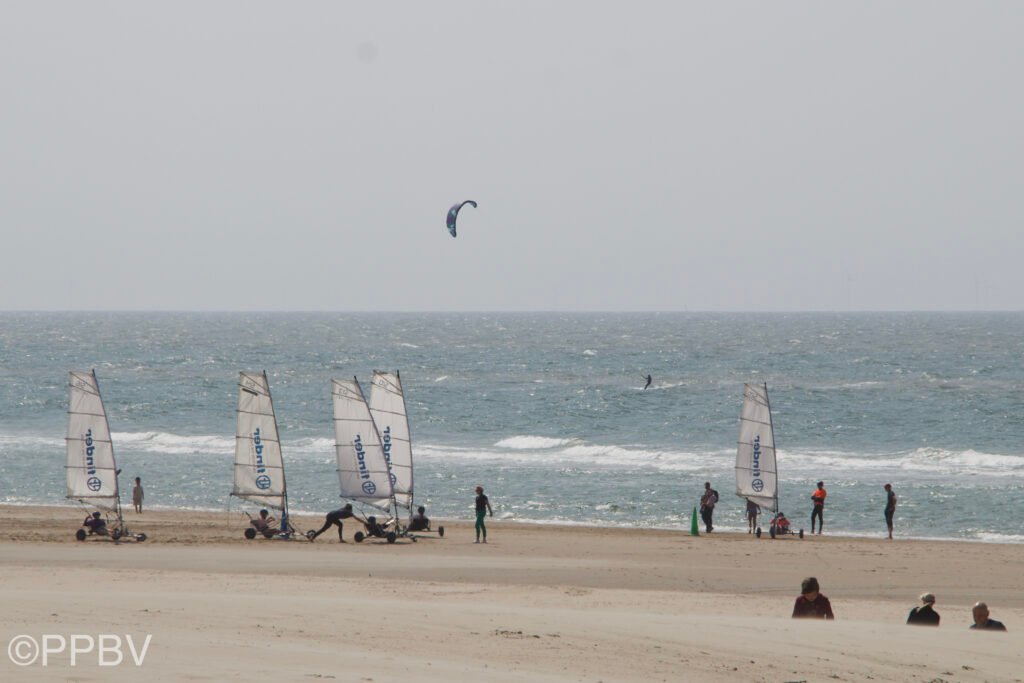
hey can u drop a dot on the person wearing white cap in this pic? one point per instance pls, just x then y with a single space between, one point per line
924 614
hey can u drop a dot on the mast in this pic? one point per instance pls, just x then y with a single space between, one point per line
113 460
388 408
284 482
771 426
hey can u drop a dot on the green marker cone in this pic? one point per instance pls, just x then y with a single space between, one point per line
694 529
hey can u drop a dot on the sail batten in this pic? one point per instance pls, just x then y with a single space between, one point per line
363 474
259 463
756 472
90 467
387 406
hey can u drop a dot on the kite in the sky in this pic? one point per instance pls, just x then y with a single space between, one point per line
453 214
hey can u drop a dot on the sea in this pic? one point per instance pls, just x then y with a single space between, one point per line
548 411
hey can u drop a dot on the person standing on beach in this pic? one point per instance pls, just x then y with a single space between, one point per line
753 510
819 507
981 620
924 614
137 495
890 507
483 506
707 505
708 501
811 604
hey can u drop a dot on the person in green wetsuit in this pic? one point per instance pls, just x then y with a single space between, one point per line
483 506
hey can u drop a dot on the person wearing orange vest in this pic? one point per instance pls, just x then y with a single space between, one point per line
819 507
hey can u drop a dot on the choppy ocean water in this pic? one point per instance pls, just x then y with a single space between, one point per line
547 411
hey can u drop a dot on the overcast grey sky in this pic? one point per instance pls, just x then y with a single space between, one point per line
625 156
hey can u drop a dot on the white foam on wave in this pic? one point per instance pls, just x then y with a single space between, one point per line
589 352
309 445
163 442
991 537
177 444
582 455
666 385
929 461
532 442
31 441
408 345
441 378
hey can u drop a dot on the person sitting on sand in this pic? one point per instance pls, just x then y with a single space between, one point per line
264 524
334 517
811 604
924 614
418 520
96 524
981 620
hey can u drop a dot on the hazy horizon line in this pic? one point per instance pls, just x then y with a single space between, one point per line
513 311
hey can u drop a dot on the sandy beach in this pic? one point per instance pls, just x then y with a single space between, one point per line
538 603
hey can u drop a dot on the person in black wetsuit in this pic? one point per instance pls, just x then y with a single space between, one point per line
890 507
483 506
818 511
335 517
419 521
374 528
753 510
924 614
648 382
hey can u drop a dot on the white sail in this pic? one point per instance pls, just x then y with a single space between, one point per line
90 467
387 406
362 471
756 475
259 467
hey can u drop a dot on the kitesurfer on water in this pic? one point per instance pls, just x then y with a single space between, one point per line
648 382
